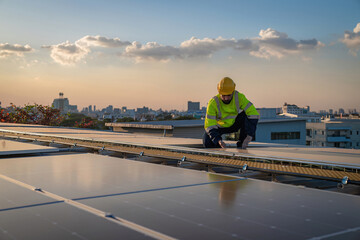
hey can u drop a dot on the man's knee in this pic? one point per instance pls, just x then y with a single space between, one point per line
207 143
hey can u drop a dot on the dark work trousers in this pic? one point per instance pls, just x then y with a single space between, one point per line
246 126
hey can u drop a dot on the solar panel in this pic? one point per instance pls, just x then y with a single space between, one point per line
8 148
84 175
247 209
100 135
184 203
13 196
28 215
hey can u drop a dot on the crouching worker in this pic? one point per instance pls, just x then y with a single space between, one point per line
228 112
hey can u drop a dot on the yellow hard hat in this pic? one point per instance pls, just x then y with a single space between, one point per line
226 86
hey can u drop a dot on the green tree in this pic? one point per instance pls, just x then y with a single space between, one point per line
187 117
125 119
32 114
164 116
71 119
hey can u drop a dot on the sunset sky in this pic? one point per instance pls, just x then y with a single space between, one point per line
161 54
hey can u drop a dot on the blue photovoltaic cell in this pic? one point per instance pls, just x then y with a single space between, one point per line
85 175
13 196
60 221
25 214
188 204
248 209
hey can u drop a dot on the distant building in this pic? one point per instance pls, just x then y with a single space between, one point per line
267 112
63 105
273 128
352 111
341 133
142 110
294 109
323 112
109 109
117 111
193 106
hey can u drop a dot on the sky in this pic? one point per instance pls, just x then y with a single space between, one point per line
161 54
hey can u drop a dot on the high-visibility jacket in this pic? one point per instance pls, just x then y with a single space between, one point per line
221 115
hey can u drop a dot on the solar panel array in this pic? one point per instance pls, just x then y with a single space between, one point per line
10 148
175 202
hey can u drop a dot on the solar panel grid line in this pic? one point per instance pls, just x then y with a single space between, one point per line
30 206
335 234
157 189
187 220
97 212
230 216
7 233
195 192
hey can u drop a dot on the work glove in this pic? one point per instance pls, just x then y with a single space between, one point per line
222 144
246 142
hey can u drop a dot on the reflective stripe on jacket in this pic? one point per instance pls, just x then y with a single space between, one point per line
221 115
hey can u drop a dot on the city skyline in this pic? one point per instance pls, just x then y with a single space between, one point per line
162 54
97 108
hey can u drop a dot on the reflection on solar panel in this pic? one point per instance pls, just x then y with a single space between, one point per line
17 148
179 203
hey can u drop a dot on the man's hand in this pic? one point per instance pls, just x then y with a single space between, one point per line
246 142
222 144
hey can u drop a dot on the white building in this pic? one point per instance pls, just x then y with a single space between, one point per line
294 109
342 133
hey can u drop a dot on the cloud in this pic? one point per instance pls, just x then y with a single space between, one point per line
151 51
67 53
98 41
274 44
267 53
352 40
7 50
195 47
191 48
269 44
70 53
